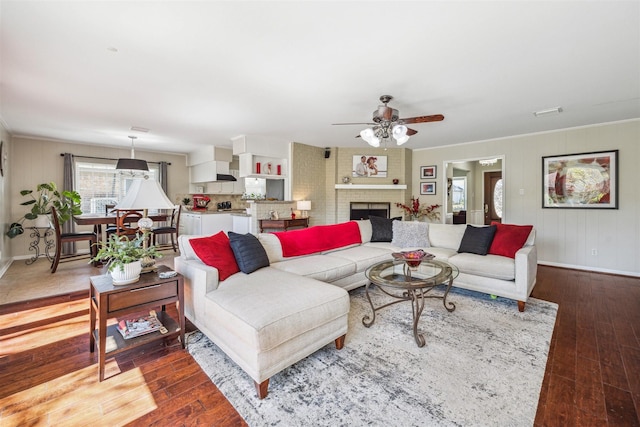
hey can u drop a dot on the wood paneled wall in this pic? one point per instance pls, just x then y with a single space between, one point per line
565 237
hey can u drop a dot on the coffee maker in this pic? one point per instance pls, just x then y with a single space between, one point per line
200 202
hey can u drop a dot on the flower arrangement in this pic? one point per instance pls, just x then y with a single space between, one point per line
415 211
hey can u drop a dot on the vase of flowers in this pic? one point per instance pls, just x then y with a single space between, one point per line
415 211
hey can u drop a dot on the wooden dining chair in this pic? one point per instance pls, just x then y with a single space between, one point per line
127 222
62 238
111 228
172 229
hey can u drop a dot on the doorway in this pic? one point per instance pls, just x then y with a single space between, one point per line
476 202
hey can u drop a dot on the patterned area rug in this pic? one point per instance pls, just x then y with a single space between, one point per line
482 365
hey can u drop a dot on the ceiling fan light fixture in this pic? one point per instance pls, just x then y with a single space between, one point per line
402 140
370 137
399 131
387 124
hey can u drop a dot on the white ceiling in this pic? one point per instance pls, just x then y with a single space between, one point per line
198 73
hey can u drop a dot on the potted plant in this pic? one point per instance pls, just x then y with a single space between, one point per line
123 257
67 204
185 202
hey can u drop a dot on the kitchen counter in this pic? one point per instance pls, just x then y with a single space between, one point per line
264 201
216 212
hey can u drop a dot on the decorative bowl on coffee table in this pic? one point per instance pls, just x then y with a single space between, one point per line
413 258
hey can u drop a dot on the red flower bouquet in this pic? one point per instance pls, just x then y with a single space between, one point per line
415 211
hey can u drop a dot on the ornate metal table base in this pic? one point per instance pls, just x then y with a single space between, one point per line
34 245
417 295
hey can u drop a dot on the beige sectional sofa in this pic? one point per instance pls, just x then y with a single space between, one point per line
277 315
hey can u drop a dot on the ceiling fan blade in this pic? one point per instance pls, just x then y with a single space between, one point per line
338 124
411 131
424 119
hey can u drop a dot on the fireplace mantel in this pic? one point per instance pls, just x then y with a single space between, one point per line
370 187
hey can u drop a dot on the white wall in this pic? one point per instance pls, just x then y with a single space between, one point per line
565 237
5 206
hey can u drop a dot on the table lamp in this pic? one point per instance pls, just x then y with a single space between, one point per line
145 193
304 206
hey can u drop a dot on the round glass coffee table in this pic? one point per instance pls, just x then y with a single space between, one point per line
395 279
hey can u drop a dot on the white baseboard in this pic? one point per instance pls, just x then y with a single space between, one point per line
5 266
594 269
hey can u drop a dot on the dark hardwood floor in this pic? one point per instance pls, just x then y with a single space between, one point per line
593 370
48 376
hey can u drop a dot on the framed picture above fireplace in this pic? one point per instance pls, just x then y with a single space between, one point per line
369 166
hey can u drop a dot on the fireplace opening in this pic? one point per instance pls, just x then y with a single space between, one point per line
362 210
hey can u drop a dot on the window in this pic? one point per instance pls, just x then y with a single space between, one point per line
497 198
100 184
459 194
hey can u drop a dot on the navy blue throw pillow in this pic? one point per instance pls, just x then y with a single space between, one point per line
249 252
477 240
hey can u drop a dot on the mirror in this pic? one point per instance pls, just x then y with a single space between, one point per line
473 190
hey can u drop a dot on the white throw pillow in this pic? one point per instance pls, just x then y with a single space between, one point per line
410 234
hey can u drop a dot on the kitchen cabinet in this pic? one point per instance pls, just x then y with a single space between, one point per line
241 224
220 187
189 224
238 185
208 171
199 224
208 154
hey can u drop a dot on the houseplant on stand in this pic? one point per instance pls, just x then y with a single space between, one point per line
67 204
123 257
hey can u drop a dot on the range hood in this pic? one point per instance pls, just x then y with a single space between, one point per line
225 177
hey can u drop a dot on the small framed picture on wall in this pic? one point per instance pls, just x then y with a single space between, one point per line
428 188
428 172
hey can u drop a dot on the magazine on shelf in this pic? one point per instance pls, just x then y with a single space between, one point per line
131 328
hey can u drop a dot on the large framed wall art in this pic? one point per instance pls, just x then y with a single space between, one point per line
583 180
369 166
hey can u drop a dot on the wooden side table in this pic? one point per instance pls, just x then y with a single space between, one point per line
108 301
283 224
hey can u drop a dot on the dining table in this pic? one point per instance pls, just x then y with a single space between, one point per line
99 220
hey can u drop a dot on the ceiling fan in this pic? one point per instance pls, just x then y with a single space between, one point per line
387 123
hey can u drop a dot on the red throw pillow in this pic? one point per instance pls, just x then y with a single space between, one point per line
216 251
509 239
